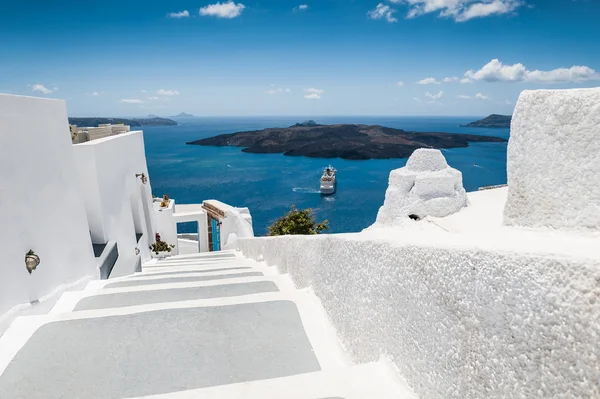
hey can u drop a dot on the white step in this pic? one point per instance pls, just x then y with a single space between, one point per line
366 381
69 300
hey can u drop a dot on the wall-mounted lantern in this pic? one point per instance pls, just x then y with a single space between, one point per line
31 261
143 177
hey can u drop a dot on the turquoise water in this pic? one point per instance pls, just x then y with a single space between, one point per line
269 183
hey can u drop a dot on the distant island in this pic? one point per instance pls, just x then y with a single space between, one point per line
94 121
355 142
183 115
493 120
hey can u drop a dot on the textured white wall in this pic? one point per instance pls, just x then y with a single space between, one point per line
458 323
554 160
117 203
41 206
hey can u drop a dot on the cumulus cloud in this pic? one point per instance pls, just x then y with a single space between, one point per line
428 81
131 101
181 14
163 92
481 96
460 10
400 83
278 90
154 98
383 11
301 7
41 89
496 71
435 96
223 10
313 94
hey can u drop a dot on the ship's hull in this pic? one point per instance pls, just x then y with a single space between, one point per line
328 188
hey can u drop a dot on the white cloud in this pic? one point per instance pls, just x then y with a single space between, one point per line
301 7
131 101
417 99
460 10
163 92
496 71
313 94
451 80
143 91
435 96
93 94
41 89
181 14
278 90
478 96
223 10
383 11
428 81
154 98
400 83
465 81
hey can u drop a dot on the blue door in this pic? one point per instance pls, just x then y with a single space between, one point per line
216 235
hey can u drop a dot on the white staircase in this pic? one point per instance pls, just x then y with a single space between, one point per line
192 326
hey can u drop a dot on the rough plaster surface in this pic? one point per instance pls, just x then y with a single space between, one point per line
160 352
457 323
167 280
426 186
173 295
554 160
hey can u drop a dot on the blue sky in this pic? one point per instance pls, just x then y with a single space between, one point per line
280 57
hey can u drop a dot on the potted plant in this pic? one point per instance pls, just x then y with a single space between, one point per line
165 201
160 249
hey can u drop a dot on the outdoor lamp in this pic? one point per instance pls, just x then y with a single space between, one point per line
142 176
31 261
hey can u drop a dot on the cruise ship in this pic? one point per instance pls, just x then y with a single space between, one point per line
328 181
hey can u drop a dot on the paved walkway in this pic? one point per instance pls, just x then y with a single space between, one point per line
193 326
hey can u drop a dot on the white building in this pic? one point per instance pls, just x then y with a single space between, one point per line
85 209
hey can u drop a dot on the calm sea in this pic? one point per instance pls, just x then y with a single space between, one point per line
269 184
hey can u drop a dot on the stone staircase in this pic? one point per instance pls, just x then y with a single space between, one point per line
192 326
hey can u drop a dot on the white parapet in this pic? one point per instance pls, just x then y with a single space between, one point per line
426 186
554 160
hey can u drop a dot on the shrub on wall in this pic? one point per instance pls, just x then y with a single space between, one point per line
297 221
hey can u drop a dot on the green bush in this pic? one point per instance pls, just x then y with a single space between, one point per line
297 221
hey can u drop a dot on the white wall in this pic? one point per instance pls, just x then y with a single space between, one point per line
41 206
166 224
117 203
553 160
458 323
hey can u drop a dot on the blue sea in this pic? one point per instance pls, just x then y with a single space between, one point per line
268 184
